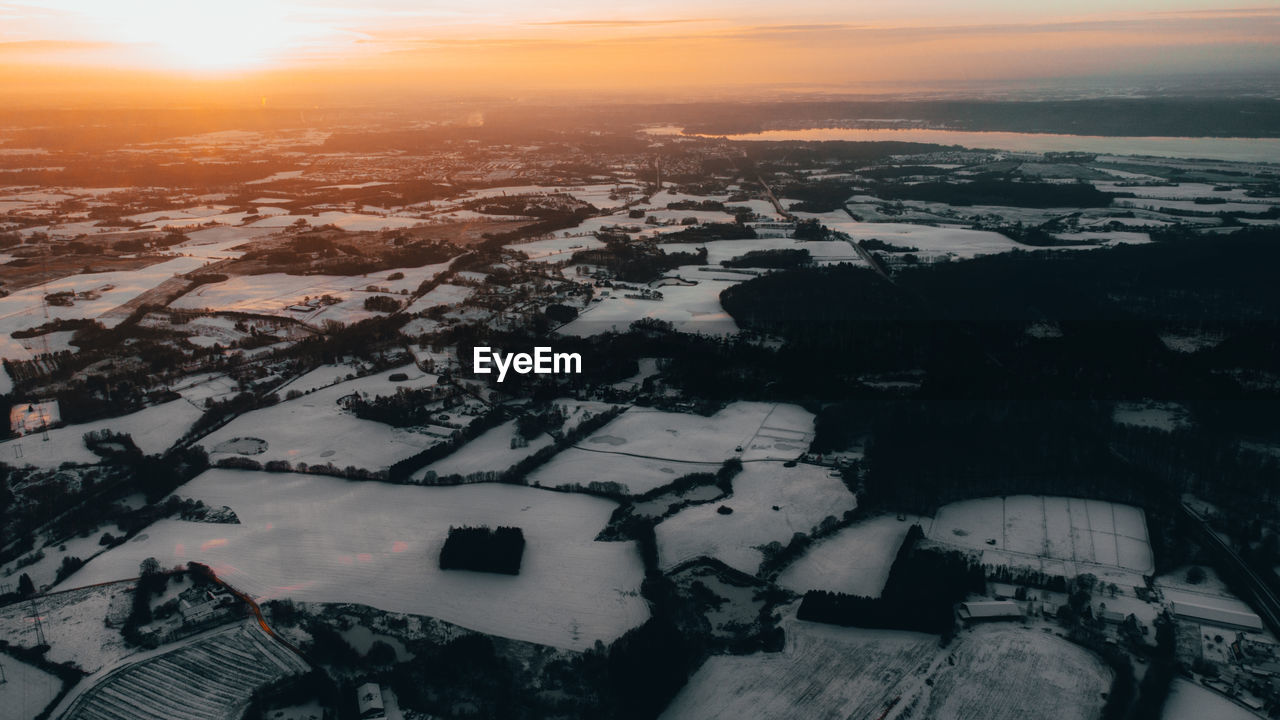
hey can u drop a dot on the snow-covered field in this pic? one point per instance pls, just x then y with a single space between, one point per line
932 241
692 309
770 503
73 624
445 294
1189 701
23 309
276 293
1010 673
824 251
27 689
210 677
322 539
314 429
1023 530
854 561
645 448
354 222
824 672
556 249
154 430
1156 415
489 453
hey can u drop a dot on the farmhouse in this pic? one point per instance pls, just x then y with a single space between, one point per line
1220 617
197 608
369 702
989 611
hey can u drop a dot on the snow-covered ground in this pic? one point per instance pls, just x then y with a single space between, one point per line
692 309
322 539
556 249
24 308
854 561
770 503
315 429
154 430
26 691
931 241
1150 414
1073 535
1189 701
823 672
822 251
645 448
490 453
73 624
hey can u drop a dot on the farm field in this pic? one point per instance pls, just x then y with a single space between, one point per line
646 448
1007 673
489 453
23 309
559 249
74 624
314 429
322 539
692 309
770 503
854 561
276 293
210 678
932 241
1022 529
153 429
824 672
1189 701
822 252
27 690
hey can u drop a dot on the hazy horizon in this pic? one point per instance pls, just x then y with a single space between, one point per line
64 52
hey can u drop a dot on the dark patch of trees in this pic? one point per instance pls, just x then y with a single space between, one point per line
381 303
496 550
778 259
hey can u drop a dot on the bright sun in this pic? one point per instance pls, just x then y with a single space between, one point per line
204 36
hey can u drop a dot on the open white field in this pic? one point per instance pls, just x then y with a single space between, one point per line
153 429
23 309
559 249
27 689
932 241
322 539
347 221
315 429
73 624
692 309
770 503
822 252
759 428
854 561
1189 701
208 679
1008 673
578 467
1022 529
824 672
489 453
276 293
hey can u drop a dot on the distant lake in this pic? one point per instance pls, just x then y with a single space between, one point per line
1233 149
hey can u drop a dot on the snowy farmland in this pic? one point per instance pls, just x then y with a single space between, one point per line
1189 701
770 503
932 241
691 308
824 672
153 429
322 539
1006 673
644 449
27 689
210 677
1058 534
316 430
490 453
854 561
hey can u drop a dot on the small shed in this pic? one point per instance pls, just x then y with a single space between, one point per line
369 702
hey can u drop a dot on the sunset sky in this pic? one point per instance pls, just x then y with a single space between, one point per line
64 49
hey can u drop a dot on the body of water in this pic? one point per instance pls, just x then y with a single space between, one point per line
1232 149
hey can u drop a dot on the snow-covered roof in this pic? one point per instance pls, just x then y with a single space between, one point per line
1217 616
989 609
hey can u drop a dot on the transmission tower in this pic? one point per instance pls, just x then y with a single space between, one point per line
39 625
